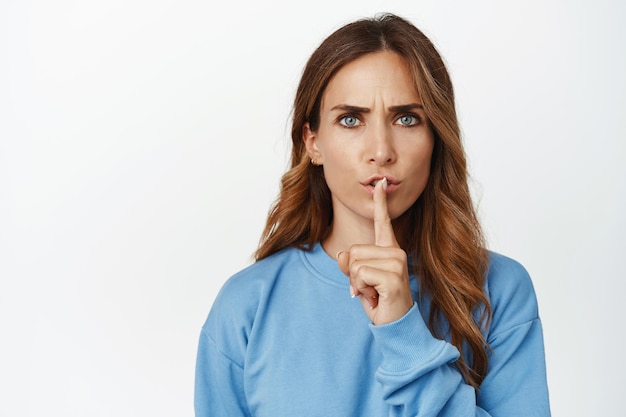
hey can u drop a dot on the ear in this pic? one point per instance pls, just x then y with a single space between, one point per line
310 142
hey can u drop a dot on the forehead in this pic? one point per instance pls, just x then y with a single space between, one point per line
381 75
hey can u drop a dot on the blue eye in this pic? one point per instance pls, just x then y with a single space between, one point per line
348 121
408 120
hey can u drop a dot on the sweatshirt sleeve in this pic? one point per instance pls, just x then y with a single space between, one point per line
419 377
219 383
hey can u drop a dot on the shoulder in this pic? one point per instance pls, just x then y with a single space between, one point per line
511 293
260 274
248 286
238 302
242 293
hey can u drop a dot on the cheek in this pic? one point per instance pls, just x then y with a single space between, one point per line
421 155
340 172
425 169
421 165
427 151
337 155
335 172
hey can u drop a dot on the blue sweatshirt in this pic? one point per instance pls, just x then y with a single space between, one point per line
284 338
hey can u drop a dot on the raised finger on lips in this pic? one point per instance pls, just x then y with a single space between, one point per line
383 230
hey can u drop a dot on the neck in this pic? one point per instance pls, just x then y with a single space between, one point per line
346 231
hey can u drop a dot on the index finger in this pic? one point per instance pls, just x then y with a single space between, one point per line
383 231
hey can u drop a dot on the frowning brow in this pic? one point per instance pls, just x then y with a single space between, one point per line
395 109
350 109
406 107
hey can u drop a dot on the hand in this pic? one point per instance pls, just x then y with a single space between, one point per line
378 273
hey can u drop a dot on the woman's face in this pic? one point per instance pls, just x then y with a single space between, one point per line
372 125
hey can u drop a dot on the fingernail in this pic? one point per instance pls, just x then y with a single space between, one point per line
337 255
385 183
352 294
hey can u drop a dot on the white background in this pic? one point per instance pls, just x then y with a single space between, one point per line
142 142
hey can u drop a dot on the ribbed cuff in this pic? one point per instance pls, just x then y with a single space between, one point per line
407 343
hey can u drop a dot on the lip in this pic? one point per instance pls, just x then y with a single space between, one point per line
392 183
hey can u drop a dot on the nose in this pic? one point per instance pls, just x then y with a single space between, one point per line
380 146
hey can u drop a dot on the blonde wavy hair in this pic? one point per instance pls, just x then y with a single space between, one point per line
441 230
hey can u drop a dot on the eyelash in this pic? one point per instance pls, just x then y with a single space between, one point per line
418 120
341 119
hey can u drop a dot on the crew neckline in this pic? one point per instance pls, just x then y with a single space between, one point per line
324 267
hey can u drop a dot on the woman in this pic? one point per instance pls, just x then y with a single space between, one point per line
375 206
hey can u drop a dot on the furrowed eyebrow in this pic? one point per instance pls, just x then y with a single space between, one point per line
351 109
405 108
395 109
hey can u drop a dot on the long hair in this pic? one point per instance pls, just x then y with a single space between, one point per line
441 230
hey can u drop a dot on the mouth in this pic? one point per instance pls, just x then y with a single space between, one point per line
370 183
375 179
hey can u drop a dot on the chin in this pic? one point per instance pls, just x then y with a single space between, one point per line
396 211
